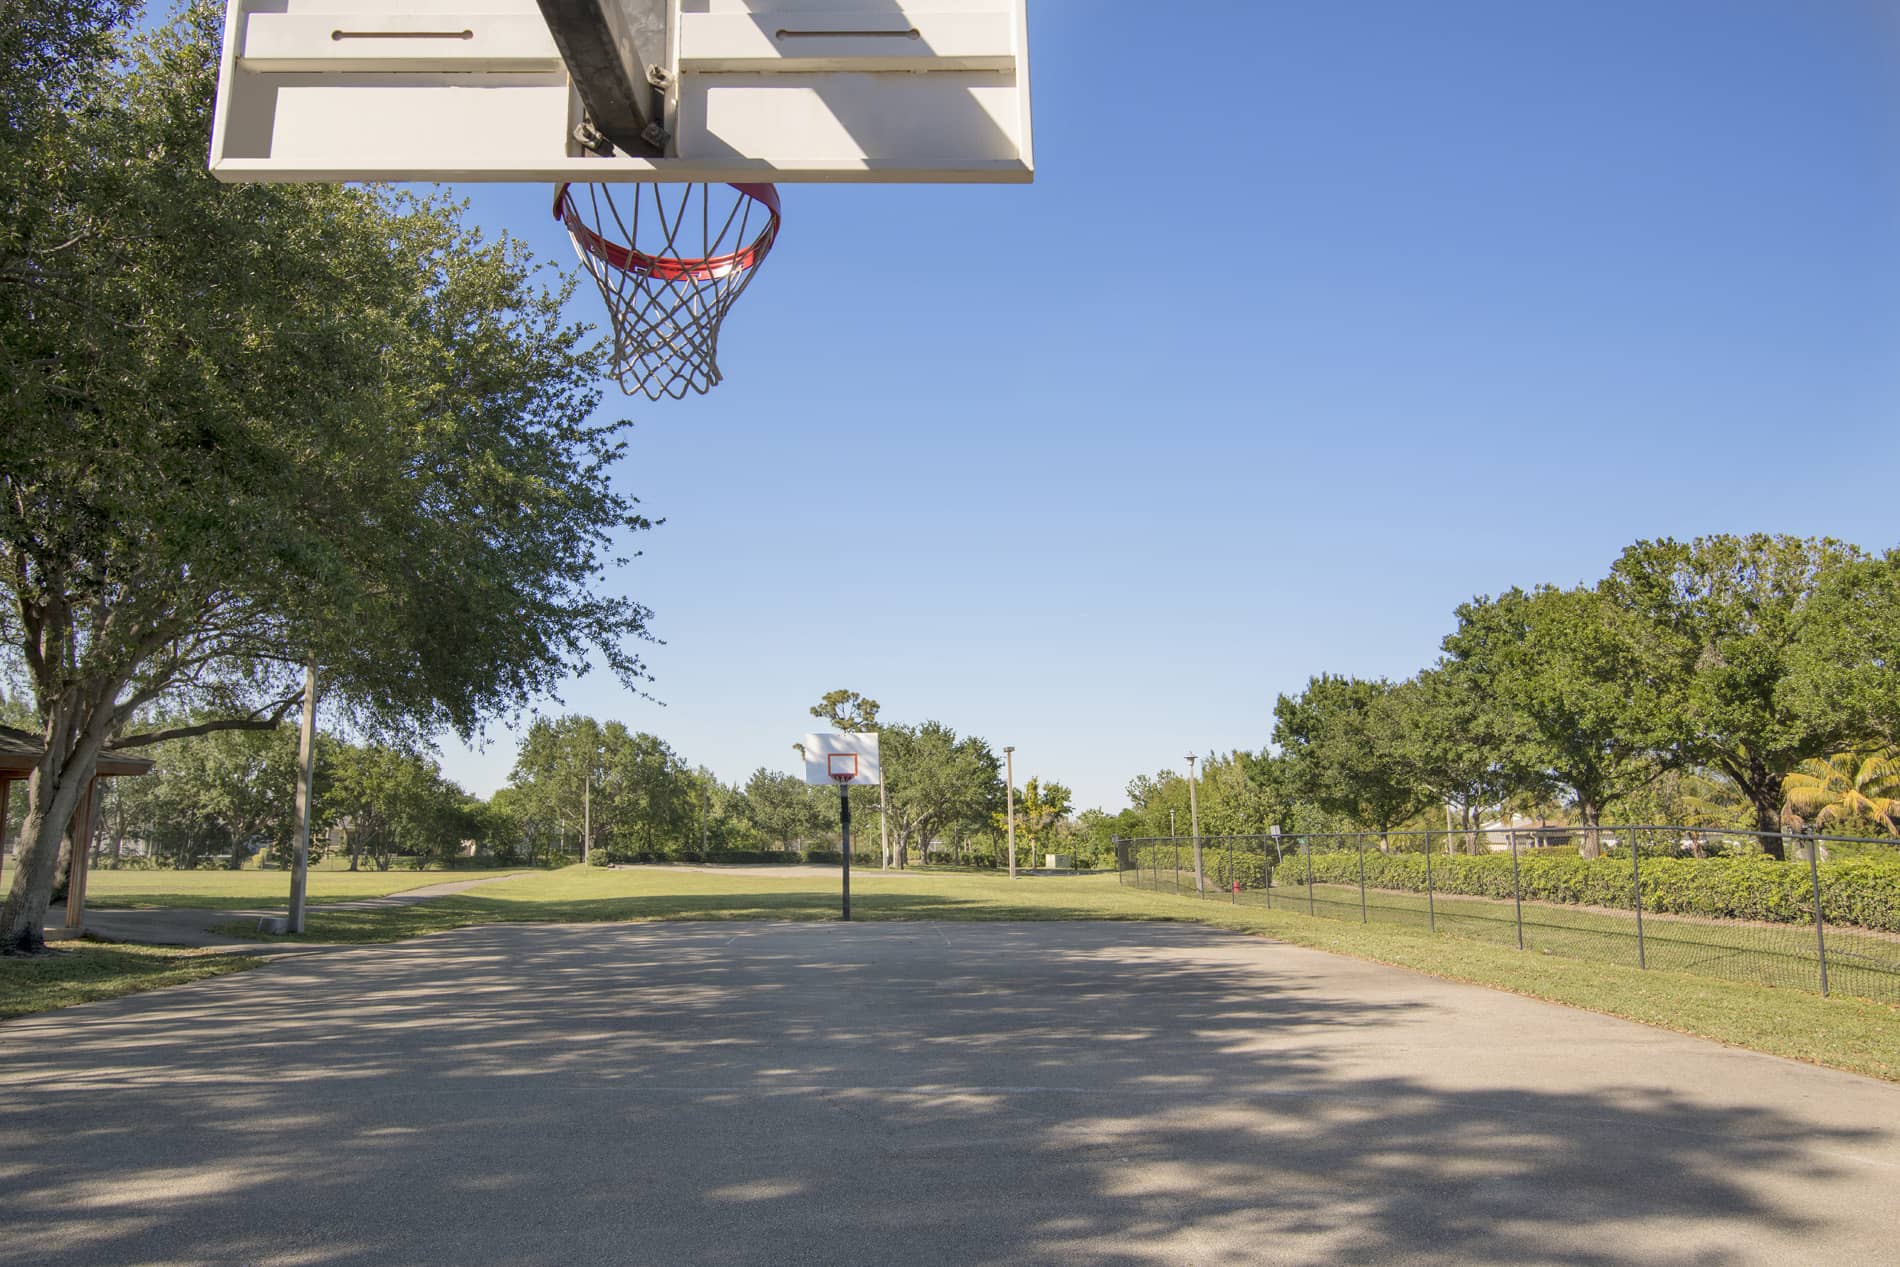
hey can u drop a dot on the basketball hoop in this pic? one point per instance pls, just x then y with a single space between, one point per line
841 766
670 261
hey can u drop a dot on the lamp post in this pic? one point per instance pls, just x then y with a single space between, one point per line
1194 826
1009 794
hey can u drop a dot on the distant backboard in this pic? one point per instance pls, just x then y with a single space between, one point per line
828 756
693 90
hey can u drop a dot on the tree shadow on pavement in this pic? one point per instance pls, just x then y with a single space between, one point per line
908 1092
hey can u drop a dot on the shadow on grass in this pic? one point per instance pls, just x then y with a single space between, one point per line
814 904
924 1093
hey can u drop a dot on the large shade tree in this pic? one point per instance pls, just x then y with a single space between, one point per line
1346 744
1725 622
247 428
938 782
1577 702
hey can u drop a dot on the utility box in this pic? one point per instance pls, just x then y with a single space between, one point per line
1058 862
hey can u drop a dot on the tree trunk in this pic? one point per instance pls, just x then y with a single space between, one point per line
1591 813
1768 822
63 774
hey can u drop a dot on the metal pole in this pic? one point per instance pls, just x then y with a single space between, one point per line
1636 893
1009 792
587 809
1362 882
1820 937
844 823
884 822
1194 826
306 775
1306 847
1431 907
1517 892
1233 880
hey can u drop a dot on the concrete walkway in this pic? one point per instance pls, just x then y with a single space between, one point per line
192 926
1136 1095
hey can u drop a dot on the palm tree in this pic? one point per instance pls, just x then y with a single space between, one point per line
1861 785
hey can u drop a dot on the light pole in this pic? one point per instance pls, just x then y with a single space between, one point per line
1009 794
1194 826
306 777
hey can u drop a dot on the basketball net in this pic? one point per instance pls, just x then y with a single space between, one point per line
670 261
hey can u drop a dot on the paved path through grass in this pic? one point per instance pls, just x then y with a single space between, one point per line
911 1092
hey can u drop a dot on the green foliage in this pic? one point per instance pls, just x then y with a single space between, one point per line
1852 793
784 811
248 425
1221 867
940 784
1567 667
1346 744
1864 892
847 711
1724 624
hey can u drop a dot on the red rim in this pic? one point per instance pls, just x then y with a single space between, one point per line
628 260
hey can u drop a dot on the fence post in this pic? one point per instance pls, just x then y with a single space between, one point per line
1362 882
1517 891
1306 844
1121 869
1636 891
1820 937
1174 881
1233 881
1431 910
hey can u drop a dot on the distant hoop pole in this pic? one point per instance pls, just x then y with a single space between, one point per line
844 822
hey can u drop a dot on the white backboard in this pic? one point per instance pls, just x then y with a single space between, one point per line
820 751
756 90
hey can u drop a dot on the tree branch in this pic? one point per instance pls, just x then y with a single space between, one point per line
267 718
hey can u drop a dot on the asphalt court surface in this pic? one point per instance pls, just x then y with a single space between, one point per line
911 1093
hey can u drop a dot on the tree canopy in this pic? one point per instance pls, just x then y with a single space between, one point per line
250 426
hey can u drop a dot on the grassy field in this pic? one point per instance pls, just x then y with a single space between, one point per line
1847 1033
1859 962
269 890
83 972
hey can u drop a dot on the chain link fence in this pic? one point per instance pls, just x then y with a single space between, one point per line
1817 913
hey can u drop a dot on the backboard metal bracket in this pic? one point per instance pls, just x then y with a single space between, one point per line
611 50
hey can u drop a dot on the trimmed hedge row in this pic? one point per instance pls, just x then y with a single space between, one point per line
1864 892
1246 866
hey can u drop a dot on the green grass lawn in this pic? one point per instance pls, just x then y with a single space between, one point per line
1859 1035
1859 962
1848 1033
140 890
83 972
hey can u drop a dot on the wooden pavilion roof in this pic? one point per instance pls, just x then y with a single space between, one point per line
20 751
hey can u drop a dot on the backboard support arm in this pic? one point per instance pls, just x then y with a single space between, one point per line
616 54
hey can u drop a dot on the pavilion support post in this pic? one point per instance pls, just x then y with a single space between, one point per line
80 830
6 791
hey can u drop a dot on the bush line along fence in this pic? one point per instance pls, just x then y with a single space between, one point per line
1824 917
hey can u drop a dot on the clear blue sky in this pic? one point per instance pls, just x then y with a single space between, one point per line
1318 320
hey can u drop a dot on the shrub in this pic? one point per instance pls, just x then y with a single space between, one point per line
1246 866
